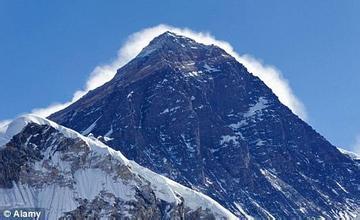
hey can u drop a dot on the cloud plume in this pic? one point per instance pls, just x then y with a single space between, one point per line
356 146
271 76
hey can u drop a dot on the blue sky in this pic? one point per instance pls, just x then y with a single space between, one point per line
47 50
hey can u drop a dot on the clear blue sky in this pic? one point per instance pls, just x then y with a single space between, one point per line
48 48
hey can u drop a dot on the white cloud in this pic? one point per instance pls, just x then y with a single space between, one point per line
44 112
3 125
356 146
101 74
273 78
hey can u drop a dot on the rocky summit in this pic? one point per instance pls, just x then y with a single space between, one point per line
193 113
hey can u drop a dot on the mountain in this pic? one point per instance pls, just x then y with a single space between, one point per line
52 168
193 113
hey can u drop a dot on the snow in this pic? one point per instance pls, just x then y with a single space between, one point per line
19 123
89 182
100 181
109 133
130 94
187 143
242 211
352 155
3 127
288 191
273 180
90 128
9 130
194 73
341 187
53 198
167 189
210 69
269 215
191 63
260 142
108 139
228 139
237 125
260 105
165 111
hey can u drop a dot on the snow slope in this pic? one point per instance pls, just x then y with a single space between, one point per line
101 174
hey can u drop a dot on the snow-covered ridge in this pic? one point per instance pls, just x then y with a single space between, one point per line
164 188
17 125
351 154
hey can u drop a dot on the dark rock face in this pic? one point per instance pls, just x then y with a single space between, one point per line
26 148
193 113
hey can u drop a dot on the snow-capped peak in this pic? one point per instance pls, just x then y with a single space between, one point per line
171 42
197 115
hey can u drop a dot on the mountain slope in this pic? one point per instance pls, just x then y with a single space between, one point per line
193 113
47 166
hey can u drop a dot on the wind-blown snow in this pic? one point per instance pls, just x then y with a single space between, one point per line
352 155
137 41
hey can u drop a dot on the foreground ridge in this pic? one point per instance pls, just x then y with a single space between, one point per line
44 165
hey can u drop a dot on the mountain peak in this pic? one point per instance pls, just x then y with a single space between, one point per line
169 34
170 38
176 52
169 42
192 112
